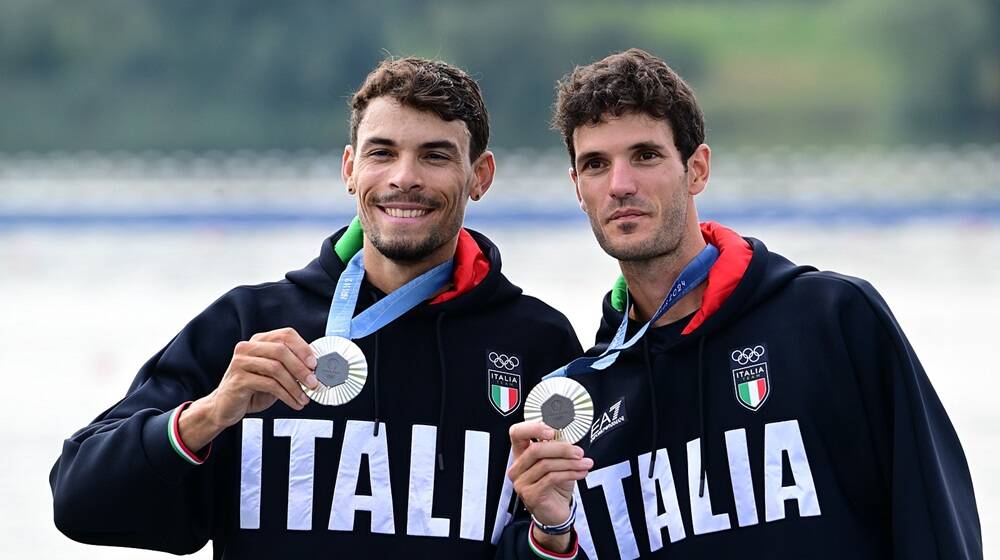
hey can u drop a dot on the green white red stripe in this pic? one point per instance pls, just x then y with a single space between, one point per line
548 554
753 392
504 397
174 435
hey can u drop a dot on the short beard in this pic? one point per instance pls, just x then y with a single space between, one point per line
409 250
664 241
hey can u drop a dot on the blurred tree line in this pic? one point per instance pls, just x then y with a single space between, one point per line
187 74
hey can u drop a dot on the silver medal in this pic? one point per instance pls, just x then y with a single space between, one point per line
341 370
563 405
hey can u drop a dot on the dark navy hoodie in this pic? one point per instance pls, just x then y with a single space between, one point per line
787 418
413 466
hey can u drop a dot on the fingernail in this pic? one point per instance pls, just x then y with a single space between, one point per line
548 434
311 361
577 452
311 381
588 462
304 400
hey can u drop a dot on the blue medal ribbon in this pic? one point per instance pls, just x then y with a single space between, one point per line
341 321
690 278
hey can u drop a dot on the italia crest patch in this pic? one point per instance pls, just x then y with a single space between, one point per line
503 372
750 379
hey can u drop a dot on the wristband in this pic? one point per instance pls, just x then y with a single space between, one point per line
174 436
546 554
560 529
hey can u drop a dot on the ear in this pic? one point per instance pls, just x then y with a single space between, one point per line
699 168
347 167
483 170
576 184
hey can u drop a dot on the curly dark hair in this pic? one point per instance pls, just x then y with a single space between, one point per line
427 85
633 81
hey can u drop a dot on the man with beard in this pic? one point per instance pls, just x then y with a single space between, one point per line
744 407
387 436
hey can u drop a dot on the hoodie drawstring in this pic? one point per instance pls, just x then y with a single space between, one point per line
701 416
375 383
652 406
701 412
444 390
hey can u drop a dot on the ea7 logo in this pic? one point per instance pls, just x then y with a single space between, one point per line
612 418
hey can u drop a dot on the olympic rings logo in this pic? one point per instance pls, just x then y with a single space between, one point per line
504 361
748 355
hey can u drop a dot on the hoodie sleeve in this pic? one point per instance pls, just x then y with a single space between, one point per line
933 506
120 481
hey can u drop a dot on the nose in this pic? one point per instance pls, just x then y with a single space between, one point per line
623 180
405 175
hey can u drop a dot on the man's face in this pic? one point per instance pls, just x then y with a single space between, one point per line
632 183
412 176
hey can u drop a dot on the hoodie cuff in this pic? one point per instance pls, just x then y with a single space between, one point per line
164 447
550 555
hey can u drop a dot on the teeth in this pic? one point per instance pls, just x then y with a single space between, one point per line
401 213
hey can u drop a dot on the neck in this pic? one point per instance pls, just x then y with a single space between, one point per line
388 275
650 280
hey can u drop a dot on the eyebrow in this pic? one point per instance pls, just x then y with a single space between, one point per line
647 145
446 145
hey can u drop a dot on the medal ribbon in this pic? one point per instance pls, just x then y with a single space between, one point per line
690 278
387 309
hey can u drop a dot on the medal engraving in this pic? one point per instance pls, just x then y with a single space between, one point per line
557 412
331 370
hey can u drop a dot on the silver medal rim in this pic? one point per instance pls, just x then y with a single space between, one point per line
357 371
583 406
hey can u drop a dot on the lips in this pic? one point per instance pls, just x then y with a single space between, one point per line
625 213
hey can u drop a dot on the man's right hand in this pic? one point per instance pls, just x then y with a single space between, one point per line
264 369
544 473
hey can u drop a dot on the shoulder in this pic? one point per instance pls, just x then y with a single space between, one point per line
537 312
851 302
242 304
836 289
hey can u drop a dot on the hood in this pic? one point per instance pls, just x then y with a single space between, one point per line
745 274
477 280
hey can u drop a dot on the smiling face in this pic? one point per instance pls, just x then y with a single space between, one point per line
411 172
632 183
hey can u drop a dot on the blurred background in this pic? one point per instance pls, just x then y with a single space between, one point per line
154 154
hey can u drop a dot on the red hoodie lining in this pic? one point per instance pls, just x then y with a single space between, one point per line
734 258
471 267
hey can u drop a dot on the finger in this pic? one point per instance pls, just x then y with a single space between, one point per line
559 482
291 338
264 384
280 352
522 433
299 347
540 450
539 470
266 367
